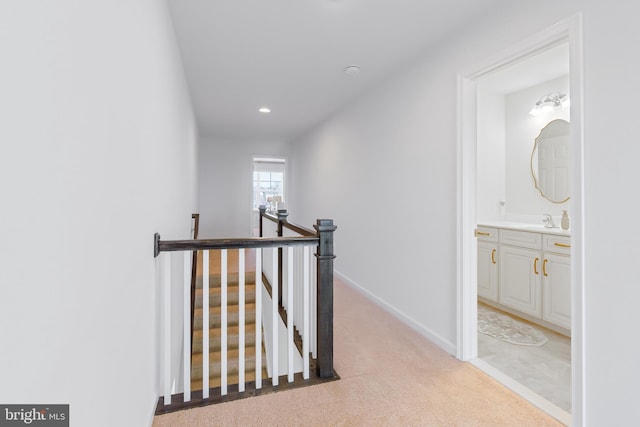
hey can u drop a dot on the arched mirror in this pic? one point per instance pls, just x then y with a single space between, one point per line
550 162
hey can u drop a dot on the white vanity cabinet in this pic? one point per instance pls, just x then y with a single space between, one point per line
520 283
526 271
520 286
488 263
556 281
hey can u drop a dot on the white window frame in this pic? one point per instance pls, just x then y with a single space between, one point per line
269 164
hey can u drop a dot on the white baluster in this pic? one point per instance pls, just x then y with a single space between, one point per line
186 375
283 289
267 264
299 279
274 318
166 282
241 320
301 293
313 323
305 310
223 322
205 324
296 291
290 313
258 318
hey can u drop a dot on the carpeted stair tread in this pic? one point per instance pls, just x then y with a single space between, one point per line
233 337
232 367
231 308
216 357
233 329
232 279
233 295
215 316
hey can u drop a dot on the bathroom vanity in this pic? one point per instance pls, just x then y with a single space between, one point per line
526 270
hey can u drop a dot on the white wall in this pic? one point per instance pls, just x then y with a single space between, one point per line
385 170
524 201
97 152
226 183
506 136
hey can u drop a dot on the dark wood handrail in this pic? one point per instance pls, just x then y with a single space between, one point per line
303 231
252 242
299 229
271 217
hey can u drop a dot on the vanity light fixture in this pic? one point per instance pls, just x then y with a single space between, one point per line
265 110
552 102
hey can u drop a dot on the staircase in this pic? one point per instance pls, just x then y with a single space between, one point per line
215 330
312 299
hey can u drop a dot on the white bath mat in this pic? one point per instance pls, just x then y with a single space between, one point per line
507 329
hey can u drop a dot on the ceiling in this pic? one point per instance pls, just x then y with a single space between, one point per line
290 55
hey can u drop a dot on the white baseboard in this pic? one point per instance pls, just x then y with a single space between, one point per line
438 340
534 398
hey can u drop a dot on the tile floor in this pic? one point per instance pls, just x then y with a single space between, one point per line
545 370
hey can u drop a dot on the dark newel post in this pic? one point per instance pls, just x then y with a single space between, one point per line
282 218
324 259
263 209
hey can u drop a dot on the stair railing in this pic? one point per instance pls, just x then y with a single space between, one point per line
175 357
277 224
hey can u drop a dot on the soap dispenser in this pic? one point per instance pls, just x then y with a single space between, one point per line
564 221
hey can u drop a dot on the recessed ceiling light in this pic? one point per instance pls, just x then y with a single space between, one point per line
265 110
352 70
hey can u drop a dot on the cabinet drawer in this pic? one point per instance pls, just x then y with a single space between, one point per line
557 244
523 239
487 234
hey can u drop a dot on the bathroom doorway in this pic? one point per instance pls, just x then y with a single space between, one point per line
491 124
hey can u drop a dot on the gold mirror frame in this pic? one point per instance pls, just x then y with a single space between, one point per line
533 153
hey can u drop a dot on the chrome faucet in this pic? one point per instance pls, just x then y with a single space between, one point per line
548 221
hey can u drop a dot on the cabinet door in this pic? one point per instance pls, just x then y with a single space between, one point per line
520 284
556 290
488 270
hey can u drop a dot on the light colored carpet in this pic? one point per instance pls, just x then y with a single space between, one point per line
507 329
391 376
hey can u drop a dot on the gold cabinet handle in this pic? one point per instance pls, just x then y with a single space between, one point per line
481 233
562 245
535 265
493 256
544 267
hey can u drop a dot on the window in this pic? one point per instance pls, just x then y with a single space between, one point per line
268 182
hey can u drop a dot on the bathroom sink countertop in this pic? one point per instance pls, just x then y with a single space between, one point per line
537 228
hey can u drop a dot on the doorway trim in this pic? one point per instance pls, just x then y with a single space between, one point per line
569 30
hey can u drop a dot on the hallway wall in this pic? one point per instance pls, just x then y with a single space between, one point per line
97 152
384 169
226 183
